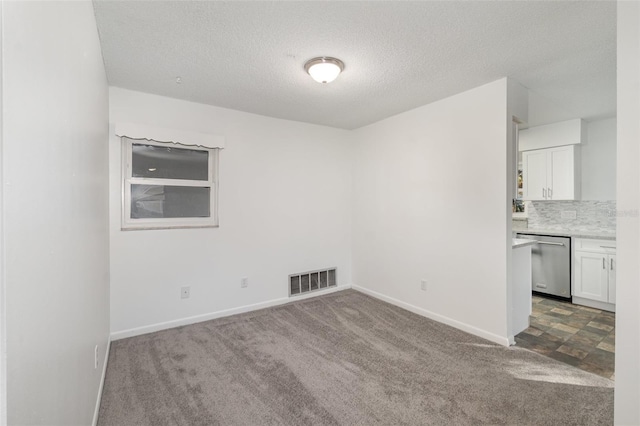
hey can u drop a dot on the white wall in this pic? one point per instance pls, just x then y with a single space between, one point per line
284 207
599 161
55 176
517 113
416 176
543 110
3 299
627 391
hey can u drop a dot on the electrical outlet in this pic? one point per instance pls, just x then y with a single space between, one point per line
423 285
244 282
95 357
185 292
568 214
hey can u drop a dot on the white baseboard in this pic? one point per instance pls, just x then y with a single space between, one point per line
117 335
611 307
504 341
104 374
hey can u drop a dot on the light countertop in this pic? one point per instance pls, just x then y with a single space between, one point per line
567 233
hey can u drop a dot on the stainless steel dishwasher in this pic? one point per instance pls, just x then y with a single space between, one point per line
550 265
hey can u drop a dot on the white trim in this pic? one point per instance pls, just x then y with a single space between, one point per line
117 335
96 411
595 304
504 341
161 134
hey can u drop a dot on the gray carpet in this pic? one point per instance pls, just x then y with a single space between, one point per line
340 359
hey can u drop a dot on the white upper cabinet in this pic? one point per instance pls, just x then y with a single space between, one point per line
534 175
551 173
561 176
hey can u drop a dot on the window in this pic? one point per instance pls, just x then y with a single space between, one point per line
168 185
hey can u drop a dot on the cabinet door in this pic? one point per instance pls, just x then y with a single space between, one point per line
561 174
534 175
591 276
613 265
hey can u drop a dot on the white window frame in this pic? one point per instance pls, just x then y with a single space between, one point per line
129 223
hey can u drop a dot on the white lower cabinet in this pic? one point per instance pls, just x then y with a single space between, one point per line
594 279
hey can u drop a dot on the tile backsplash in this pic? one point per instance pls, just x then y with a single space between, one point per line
595 216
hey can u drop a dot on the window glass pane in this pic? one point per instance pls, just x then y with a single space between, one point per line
153 201
149 161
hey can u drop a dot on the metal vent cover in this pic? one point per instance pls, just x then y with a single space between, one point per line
306 282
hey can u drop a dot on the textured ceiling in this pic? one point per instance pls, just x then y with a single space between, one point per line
399 55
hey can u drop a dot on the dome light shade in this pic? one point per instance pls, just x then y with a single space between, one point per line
324 69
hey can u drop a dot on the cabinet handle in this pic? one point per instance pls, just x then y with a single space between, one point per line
608 247
611 264
544 193
603 265
549 192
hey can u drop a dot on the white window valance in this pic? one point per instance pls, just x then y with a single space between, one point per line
161 134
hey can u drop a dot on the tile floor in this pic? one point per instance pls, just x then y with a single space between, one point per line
576 335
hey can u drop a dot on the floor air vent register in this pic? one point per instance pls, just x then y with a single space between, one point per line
311 281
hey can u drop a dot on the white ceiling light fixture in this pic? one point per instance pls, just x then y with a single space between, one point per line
324 69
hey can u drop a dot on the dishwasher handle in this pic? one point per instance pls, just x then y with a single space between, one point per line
549 243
